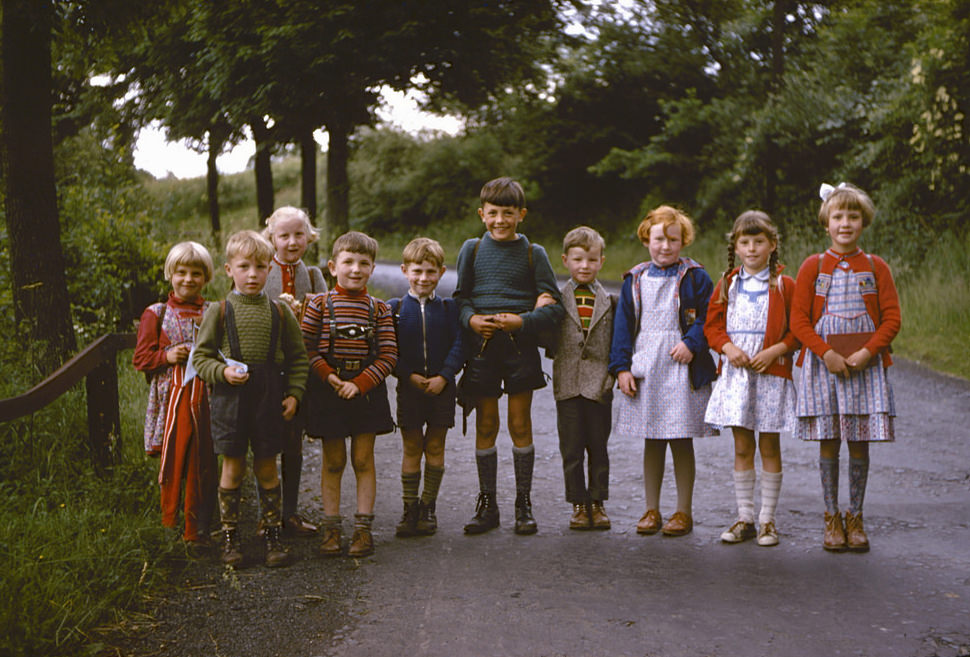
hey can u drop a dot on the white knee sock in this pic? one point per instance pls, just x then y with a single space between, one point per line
770 488
744 491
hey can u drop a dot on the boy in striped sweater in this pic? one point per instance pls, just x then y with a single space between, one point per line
349 337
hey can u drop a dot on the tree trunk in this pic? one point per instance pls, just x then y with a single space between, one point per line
308 173
338 185
36 257
779 11
212 182
263 137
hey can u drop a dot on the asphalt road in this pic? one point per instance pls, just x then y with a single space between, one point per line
565 593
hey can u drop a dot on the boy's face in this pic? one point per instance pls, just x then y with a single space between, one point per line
248 273
501 221
422 277
664 247
352 270
583 265
188 281
290 239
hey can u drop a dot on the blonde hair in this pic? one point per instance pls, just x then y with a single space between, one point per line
847 197
355 242
667 216
752 222
289 212
422 249
188 254
249 244
585 238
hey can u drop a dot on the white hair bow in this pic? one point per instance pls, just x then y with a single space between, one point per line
826 189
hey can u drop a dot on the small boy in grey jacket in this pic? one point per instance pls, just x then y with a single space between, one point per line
582 384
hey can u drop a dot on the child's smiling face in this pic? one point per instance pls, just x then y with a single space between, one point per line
665 246
188 281
501 221
352 270
422 277
290 239
845 229
583 265
754 251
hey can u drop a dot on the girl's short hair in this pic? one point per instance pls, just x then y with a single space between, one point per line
289 212
847 197
355 242
423 249
249 244
585 238
667 216
188 254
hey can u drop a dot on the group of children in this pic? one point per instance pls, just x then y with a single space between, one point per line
283 356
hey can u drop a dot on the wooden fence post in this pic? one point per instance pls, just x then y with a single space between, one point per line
104 419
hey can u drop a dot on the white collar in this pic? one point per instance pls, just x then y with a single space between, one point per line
762 275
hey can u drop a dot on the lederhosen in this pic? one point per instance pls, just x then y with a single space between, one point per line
249 415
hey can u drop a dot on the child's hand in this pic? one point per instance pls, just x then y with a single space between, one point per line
766 357
735 355
289 407
344 389
484 325
544 299
835 363
435 385
233 376
681 353
508 322
859 359
178 354
418 381
627 384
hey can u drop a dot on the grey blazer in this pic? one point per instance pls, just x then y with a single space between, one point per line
579 368
308 280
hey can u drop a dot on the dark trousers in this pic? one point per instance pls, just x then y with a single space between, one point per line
584 429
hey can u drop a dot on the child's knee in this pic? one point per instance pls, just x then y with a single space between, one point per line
520 425
363 463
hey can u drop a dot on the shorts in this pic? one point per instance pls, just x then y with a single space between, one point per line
507 363
250 415
329 417
416 409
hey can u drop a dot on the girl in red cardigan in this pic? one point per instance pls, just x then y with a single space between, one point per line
747 322
846 313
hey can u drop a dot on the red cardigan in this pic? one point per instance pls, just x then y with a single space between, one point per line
776 330
883 307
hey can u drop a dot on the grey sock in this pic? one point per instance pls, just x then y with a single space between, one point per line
487 462
523 459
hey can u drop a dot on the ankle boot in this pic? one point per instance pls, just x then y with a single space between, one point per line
427 520
486 515
229 500
855 535
524 522
231 555
834 540
409 520
276 554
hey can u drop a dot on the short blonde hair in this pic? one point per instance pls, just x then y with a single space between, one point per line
585 238
188 254
422 249
667 216
249 244
355 242
289 212
847 197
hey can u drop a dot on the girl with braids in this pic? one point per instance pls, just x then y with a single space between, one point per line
747 322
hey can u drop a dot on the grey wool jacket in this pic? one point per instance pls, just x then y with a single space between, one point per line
580 367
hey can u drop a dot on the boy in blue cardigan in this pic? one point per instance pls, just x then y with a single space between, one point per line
430 355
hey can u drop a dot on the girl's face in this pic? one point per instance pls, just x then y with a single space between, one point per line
754 251
845 229
664 247
290 239
187 282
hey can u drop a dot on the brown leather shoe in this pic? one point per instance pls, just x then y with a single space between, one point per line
580 518
650 522
276 554
598 517
834 540
361 544
331 545
299 526
679 524
855 535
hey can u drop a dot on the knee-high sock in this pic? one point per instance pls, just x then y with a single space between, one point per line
523 460
487 462
432 482
858 476
654 455
410 483
770 490
829 470
744 481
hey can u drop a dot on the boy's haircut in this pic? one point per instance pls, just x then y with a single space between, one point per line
289 212
503 191
666 216
847 197
249 244
585 238
423 249
355 242
188 254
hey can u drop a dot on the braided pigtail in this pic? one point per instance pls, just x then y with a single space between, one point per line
773 269
723 296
